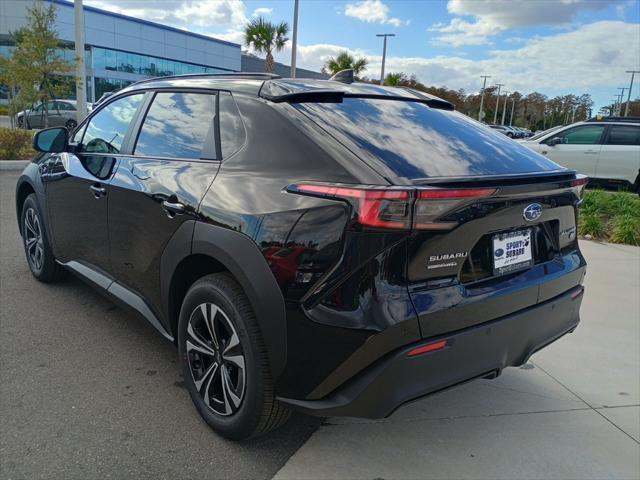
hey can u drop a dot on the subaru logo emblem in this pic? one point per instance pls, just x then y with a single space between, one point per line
532 212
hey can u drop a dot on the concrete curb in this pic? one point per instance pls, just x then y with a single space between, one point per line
13 164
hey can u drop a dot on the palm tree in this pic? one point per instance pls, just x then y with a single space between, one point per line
394 79
266 37
345 61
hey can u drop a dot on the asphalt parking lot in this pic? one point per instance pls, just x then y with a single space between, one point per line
88 391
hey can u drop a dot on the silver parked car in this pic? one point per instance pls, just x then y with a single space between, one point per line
61 113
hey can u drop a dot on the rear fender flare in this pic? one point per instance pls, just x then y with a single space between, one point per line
242 258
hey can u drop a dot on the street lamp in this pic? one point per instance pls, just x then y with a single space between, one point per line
81 73
504 106
484 85
294 39
513 104
384 52
633 73
495 114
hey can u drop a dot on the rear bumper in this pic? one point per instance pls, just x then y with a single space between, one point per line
479 351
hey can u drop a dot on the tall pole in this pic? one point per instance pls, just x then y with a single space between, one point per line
513 104
504 106
484 86
384 52
495 114
81 73
626 108
294 39
621 97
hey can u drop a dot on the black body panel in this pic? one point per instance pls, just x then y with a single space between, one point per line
481 351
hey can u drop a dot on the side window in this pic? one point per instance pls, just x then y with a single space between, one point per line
624 135
583 135
179 125
232 134
106 130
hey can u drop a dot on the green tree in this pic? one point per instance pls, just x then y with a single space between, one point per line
35 66
395 79
266 37
345 61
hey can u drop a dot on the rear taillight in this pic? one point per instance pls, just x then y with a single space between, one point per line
398 208
579 184
378 208
432 203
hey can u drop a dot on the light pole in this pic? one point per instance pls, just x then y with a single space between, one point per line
621 97
633 73
513 104
484 85
384 52
294 39
504 106
81 73
495 114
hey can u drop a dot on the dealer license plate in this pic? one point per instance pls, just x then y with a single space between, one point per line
511 251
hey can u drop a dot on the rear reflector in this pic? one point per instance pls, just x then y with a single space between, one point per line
431 347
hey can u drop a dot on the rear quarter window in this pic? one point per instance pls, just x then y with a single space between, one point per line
415 141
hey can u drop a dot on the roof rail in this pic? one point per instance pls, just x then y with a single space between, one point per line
600 118
229 75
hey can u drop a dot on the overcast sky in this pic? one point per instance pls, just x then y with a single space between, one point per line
551 46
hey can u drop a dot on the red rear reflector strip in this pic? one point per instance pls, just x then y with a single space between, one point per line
439 194
427 348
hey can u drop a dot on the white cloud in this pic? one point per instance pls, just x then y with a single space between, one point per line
547 64
491 17
371 11
185 13
262 11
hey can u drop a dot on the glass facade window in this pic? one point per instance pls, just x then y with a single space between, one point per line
149 66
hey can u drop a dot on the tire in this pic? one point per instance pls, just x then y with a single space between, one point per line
71 124
230 384
35 241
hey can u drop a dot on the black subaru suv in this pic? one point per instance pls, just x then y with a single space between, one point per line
328 247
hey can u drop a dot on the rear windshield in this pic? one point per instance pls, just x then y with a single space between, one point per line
416 141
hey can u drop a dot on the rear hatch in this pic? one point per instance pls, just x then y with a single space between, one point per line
502 249
490 225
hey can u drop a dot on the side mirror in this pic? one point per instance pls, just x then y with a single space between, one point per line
554 141
51 140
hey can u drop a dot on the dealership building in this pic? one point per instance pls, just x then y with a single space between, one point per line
120 49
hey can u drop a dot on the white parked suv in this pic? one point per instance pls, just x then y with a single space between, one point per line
605 149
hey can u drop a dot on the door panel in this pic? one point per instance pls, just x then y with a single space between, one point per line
140 225
77 185
620 155
160 186
579 148
581 158
76 189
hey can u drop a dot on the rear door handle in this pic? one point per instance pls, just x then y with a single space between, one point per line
97 190
173 209
591 151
